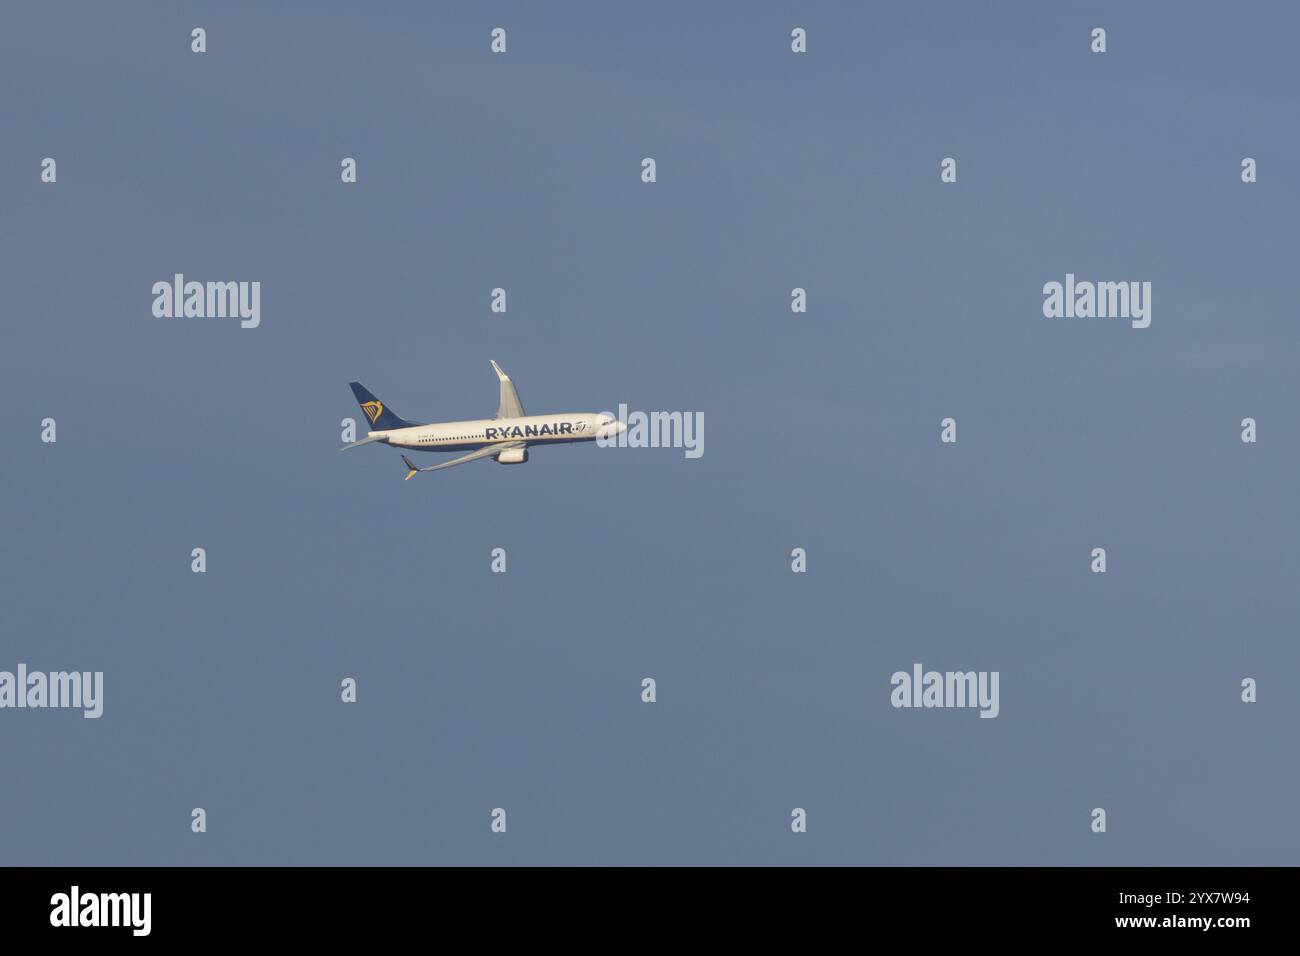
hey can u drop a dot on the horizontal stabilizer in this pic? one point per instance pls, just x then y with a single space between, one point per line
365 441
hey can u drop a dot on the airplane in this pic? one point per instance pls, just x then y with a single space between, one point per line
505 438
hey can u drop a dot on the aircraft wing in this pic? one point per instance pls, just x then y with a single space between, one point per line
487 451
510 406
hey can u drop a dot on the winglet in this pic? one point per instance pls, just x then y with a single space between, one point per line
509 406
413 470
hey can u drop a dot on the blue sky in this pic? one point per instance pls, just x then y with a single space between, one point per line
522 690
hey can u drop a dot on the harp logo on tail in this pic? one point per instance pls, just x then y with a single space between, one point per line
373 410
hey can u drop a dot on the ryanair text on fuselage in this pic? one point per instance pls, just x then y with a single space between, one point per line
534 431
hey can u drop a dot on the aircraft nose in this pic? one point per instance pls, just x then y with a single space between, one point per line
611 429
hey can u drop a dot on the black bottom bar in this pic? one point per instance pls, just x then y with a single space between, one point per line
378 904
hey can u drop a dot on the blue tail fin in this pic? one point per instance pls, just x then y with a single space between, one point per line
380 415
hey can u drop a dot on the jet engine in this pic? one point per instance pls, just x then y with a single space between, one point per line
513 456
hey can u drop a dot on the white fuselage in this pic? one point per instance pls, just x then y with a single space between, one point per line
472 435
